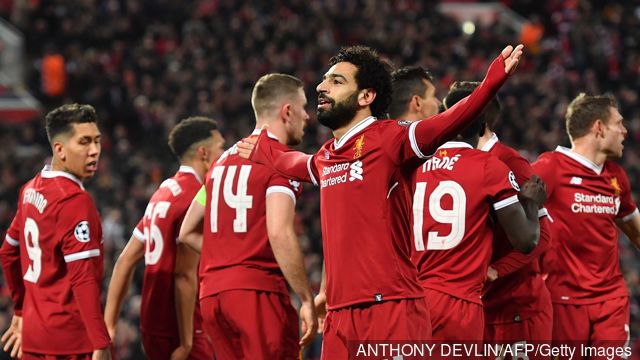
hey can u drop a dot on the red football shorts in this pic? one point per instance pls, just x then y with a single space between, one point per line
251 324
161 347
34 356
534 330
454 319
603 324
401 320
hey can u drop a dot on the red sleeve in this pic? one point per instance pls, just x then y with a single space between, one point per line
288 163
86 292
426 135
499 183
515 260
10 257
628 207
81 229
545 169
520 167
138 231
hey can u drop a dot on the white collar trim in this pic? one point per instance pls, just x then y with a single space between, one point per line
353 131
49 174
581 159
269 134
489 144
455 144
190 170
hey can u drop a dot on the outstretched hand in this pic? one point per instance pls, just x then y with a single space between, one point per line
511 57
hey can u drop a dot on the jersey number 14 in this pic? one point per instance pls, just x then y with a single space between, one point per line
239 201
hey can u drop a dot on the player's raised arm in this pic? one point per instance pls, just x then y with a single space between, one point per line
520 220
120 281
427 134
191 229
286 249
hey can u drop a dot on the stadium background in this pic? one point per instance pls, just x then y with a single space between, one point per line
145 64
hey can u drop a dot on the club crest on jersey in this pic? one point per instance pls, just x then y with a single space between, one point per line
617 190
512 180
357 149
82 231
295 184
404 122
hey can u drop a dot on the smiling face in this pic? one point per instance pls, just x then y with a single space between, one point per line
78 150
338 96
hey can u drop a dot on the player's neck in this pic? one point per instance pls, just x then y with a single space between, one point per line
360 115
200 167
588 150
484 139
274 127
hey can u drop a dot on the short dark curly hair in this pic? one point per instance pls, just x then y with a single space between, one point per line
373 73
188 132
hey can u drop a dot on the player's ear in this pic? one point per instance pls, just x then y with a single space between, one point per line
598 127
366 97
59 151
415 104
285 113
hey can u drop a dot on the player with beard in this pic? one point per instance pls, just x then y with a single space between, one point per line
372 290
242 221
52 253
589 194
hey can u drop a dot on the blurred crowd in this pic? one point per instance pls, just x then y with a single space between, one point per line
146 64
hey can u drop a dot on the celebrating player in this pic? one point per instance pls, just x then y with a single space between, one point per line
169 320
372 290
589 195
52 254
248 243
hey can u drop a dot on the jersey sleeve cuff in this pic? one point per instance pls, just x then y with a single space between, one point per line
313 178
13 242
281 189
82 255
624 219
414 142
138 235
505 202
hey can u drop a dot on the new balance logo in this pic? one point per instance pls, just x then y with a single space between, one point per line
356 171
576 180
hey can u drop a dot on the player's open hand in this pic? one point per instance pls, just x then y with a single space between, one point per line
246 146
534 190
309 323
511 57
101 354
12 338
321 310
181 353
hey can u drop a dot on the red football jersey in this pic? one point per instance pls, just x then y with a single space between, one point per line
452 230
584 200
56 223
521 292
236 253
158 230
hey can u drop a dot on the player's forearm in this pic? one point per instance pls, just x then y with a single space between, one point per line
516 260
10 257
290 164
286 250
86 293
452 121
191 229
186 292
531 232
119 284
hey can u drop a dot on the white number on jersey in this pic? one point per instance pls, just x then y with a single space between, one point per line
32 238
454 216
154 242
239 201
